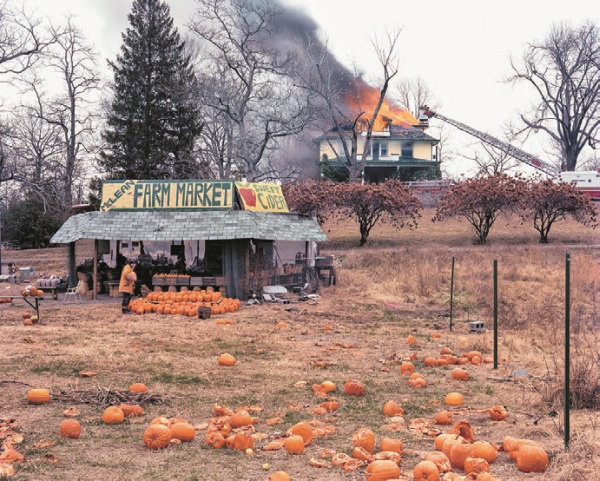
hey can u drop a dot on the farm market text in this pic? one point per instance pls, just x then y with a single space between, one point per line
174 194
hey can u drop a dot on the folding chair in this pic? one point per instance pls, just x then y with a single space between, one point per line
73 293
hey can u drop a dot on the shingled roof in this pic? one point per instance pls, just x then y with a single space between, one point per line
188 225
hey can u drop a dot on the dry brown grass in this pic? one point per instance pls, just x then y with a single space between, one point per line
397 285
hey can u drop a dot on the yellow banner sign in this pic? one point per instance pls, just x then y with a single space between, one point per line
167 194
261 197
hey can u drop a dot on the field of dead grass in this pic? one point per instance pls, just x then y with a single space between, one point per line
396 286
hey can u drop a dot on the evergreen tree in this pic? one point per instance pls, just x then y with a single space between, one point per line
153 123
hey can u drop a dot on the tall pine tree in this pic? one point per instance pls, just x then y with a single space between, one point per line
153 123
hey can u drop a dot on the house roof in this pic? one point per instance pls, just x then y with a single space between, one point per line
396 132
188 225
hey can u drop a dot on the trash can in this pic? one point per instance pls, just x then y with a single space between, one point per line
26 273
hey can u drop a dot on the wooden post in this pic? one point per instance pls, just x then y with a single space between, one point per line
71 267
95 274
495 314
567 399
452 294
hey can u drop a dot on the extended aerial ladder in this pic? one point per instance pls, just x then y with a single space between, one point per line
491 140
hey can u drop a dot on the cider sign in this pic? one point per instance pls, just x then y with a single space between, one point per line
261 197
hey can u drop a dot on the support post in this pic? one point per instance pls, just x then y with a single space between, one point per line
71 268
567 400
95 272
495 314
452 295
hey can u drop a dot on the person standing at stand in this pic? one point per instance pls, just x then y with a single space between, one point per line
127 283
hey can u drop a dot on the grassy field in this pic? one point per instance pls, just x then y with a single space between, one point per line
398 285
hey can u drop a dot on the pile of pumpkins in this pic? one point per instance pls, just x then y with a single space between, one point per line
184 303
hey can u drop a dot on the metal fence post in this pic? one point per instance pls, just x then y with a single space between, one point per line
567 350
452 294
495 314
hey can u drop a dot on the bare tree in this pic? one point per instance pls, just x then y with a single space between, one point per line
247 88
70 114
564 71
491 160
413 93
343 97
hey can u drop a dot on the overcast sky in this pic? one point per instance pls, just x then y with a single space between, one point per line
461 48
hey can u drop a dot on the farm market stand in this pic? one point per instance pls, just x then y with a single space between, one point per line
188 234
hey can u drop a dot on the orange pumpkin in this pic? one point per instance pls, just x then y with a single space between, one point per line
364 438
183 431
497 413
426 471
328 386
439 440
130 410
460 374
294 444
391 444
454 399
279 476
157 436
463 429
215 440
38 396
240 442
459 453
70 428
303 429
532 459
443 417
485 450
382 470
240 419
440 460
226 360
407 368
476 466
113 415
410 339
391 408
138 387
354 387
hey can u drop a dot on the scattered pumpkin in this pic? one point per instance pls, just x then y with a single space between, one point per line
70 428
454 399
497 413
485 450
382 470
138 387
410 339
391 408
294 444
476 465
407 368
38 396
131 410
279 476
460 374
440 460
532 459
157 436
183 431
113 415
443 417
240 419
459 453
391 444
303 429
364 438
463 429
215 440
328 386
426 471
240 441
226 360
353 387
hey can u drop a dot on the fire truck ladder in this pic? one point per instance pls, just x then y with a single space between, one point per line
491 140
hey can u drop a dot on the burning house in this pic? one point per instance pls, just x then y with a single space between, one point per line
397 146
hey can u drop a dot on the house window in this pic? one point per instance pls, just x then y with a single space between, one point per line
407 149
378 149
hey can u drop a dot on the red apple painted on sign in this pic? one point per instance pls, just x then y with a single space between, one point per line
249 196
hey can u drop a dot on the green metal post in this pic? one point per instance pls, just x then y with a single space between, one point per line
495 314
567 350
452 293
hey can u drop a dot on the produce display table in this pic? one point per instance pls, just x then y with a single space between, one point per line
52 290
34 302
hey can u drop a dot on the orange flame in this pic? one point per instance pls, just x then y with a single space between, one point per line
365 99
